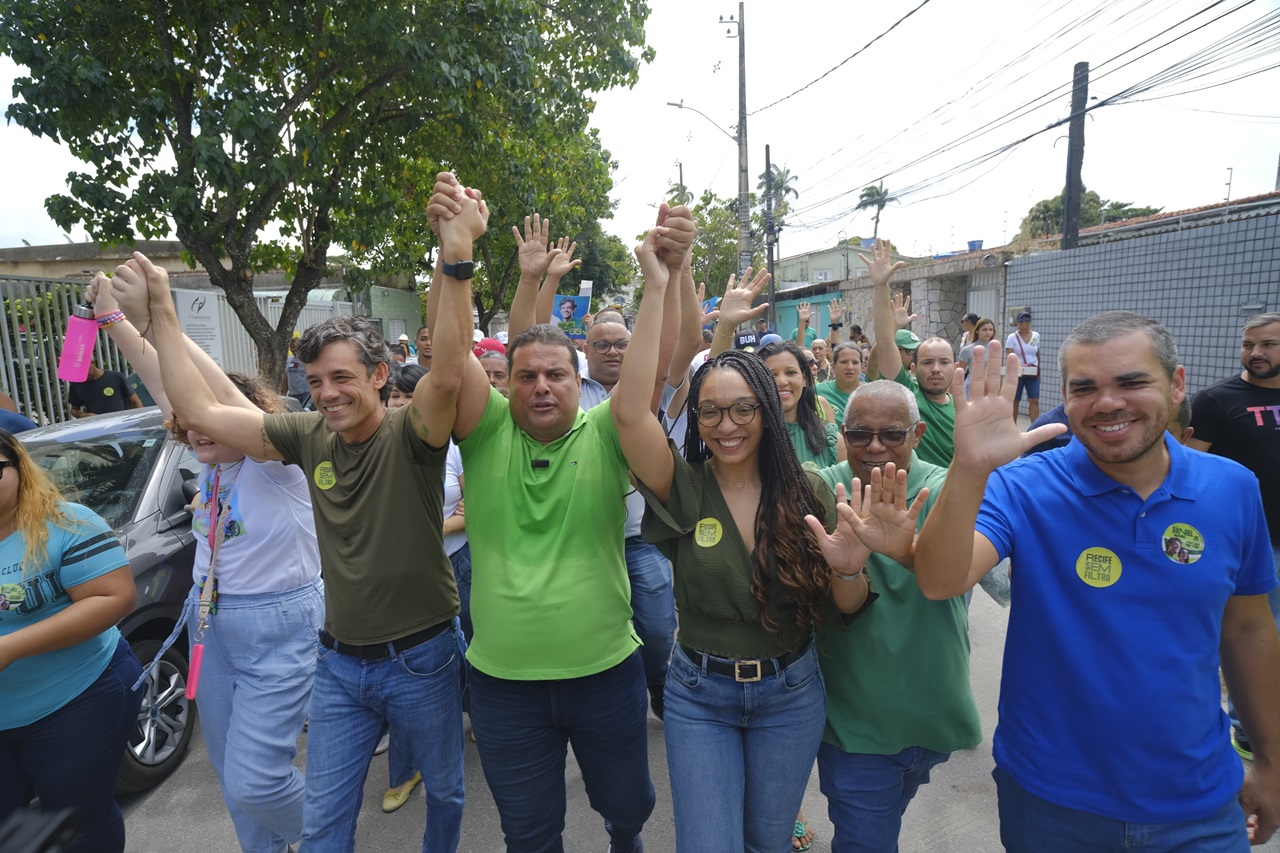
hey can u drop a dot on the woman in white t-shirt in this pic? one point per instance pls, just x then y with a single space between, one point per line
1025 344
252 521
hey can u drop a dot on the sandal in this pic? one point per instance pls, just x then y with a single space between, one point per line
801 832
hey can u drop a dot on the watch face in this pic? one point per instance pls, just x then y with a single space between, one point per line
461 270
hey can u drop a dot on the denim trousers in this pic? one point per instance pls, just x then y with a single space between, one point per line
254 690
523 730
653 607
1029 824
867 795
71 758
1273 599
740 753
416 694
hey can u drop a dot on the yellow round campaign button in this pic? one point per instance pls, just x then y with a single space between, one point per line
708 532
324 476
1098 567
1182 543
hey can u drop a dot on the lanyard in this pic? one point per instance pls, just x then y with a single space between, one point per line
217 524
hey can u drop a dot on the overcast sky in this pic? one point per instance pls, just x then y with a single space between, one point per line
951 84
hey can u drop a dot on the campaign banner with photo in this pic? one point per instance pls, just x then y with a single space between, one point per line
568 314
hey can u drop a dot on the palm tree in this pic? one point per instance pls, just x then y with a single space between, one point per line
679 194
783 186
877 197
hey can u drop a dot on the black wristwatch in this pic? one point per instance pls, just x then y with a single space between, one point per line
462 270
835 325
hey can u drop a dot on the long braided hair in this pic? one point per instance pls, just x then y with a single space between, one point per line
786 497
813 427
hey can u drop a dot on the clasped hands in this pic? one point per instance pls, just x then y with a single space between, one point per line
874 517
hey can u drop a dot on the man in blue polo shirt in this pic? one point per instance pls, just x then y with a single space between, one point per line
1141 565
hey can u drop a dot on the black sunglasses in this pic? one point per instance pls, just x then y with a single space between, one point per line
888 437
7 463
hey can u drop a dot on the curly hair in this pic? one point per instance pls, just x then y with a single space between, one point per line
813 427
786 497
39 504
257 392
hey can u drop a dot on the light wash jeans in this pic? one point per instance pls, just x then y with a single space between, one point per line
1273 599
254 690
740 754
653 607
416 693
867 795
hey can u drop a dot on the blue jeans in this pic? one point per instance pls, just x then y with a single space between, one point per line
523 729
740 754
1030 384
416 693
867 795
71 758
255 686
1273 598
653 607
461 560
1029 824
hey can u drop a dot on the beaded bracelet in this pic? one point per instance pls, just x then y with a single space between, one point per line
109 319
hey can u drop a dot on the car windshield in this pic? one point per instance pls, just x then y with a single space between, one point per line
106 472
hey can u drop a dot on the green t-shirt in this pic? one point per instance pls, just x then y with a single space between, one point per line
938 445
550 596
809 460
712 568
809 336
898 676
833 395
378 508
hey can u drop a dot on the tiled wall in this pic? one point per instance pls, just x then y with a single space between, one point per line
1201 283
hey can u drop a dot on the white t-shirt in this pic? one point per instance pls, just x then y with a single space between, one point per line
1027 353
269 539
453 496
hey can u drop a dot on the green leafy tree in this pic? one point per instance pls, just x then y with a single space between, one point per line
224 120
608 262
679 194
1047 216
875 198
715 249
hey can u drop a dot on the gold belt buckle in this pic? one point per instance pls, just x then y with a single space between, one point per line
737 670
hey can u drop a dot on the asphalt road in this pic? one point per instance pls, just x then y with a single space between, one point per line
956 812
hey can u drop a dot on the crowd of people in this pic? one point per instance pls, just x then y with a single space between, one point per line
767 543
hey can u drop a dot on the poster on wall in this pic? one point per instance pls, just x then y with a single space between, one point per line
198 313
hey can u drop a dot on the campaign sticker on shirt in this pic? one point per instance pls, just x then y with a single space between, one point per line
708 532
324 476
1098 567
11 595
108 392
1182 543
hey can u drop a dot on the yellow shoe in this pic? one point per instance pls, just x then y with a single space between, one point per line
394 798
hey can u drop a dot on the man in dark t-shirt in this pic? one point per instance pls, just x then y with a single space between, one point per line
1239 418
103 392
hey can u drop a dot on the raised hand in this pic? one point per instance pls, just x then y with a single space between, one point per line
141 287
652 267
735 307
804 312
531 247
445 201
901 311
460 231
560 259
99 295
884 523
881 264
836 310
986 435
843 550
706 316
676 244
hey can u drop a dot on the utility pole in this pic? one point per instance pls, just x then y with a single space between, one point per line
681 165
768 231
1071 195
844 244
744 194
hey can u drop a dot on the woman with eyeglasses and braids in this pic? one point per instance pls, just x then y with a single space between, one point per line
759 556
65 671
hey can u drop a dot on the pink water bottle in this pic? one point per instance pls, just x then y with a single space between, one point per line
77 349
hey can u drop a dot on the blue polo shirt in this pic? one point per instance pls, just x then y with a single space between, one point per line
1110 701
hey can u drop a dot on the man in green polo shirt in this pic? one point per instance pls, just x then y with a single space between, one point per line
898 696
934 362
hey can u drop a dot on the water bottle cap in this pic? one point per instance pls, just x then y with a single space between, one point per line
84 312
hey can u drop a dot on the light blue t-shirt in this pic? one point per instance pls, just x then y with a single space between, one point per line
36 686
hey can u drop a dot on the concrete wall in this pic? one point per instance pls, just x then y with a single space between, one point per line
1202 283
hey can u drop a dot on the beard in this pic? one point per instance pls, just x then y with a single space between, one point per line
1271 371
1151 435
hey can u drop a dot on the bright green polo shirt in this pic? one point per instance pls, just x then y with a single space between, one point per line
898 675
938 445
550 598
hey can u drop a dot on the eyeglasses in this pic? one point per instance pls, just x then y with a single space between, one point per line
888 437
7 463
740 413
602 347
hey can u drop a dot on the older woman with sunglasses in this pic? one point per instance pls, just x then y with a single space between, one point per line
745 704
65 671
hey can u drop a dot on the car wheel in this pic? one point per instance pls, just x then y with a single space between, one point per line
165 724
